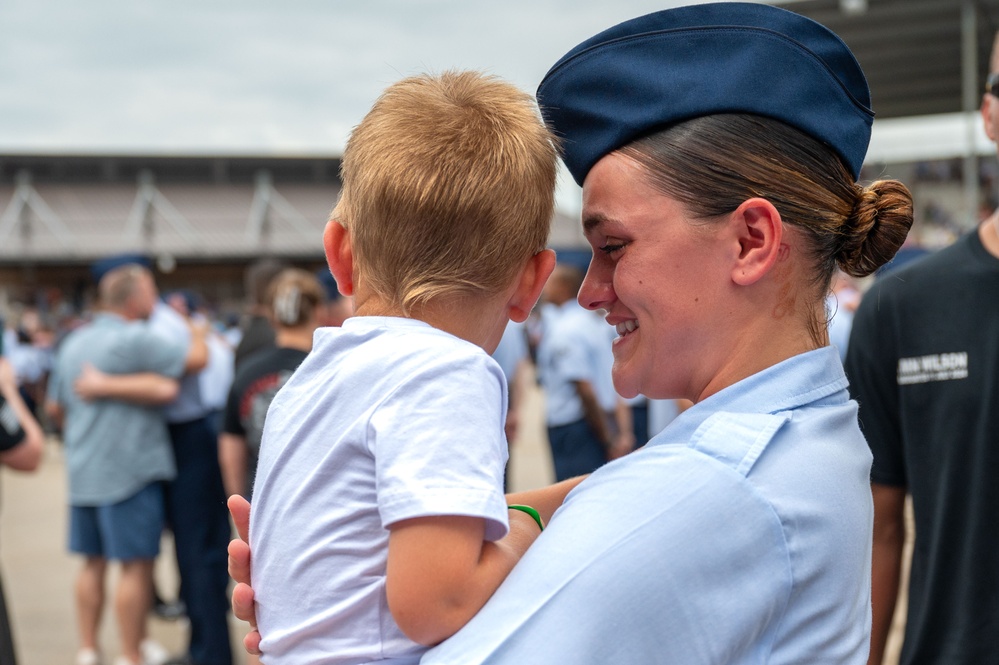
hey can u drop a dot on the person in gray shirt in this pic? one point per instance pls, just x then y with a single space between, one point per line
117 454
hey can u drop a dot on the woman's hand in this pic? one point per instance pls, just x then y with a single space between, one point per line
239 569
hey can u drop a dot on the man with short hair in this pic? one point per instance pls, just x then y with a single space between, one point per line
923 364
117 456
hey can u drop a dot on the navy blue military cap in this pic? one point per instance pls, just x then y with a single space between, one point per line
103 266
732 57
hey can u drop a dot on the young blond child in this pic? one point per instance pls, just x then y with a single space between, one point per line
379 524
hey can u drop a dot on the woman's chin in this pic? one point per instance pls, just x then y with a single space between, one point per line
624 382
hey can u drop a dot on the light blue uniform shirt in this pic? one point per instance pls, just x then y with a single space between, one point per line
512 349
189 404
113 448
740 534
571 349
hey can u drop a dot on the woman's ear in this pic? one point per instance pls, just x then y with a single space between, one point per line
339 256
532 280
758 230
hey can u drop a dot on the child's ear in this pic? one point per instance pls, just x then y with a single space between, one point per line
339 256
532 279
757 233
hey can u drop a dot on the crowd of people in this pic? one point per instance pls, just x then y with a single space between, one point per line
141 367
701 379
138 392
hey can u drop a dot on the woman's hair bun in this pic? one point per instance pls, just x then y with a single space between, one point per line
876 228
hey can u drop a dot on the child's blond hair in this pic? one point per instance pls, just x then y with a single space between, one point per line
448 187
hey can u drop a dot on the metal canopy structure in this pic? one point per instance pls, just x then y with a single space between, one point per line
921 57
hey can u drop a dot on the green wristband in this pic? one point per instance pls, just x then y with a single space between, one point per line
535 515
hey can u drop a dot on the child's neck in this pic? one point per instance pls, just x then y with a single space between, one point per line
479 321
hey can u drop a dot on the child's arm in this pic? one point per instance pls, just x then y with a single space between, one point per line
441 571
422 553
545 500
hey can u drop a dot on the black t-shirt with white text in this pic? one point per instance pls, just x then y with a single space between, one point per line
923 363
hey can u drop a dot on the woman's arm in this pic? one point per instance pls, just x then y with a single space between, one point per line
146 388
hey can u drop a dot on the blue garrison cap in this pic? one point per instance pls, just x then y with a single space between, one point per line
103 266
731 57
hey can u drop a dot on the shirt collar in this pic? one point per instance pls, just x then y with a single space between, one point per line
807 378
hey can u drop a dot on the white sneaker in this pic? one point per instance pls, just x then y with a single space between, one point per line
153 653
88 657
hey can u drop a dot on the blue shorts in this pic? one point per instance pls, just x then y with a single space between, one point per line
129 529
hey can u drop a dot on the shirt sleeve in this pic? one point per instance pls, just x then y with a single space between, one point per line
872 368
439 445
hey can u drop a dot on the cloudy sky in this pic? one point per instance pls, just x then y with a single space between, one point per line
255 76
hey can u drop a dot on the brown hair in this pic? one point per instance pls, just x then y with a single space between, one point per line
293 297
712 164
258 277
448 186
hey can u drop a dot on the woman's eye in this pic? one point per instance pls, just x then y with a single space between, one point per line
610 248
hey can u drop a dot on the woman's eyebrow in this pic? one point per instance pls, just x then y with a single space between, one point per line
591 222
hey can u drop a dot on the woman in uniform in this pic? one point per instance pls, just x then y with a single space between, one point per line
718 147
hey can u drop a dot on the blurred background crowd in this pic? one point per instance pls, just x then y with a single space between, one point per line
216 230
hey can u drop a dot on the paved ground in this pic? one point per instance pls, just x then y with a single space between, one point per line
38 574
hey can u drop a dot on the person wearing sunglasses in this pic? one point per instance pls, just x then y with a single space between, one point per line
924 365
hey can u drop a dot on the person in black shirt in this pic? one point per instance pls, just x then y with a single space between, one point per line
923 364
295 297
258 331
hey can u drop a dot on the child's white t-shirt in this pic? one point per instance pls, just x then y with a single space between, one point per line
387 419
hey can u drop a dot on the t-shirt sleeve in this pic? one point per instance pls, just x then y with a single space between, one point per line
872 368
439 446
11 432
